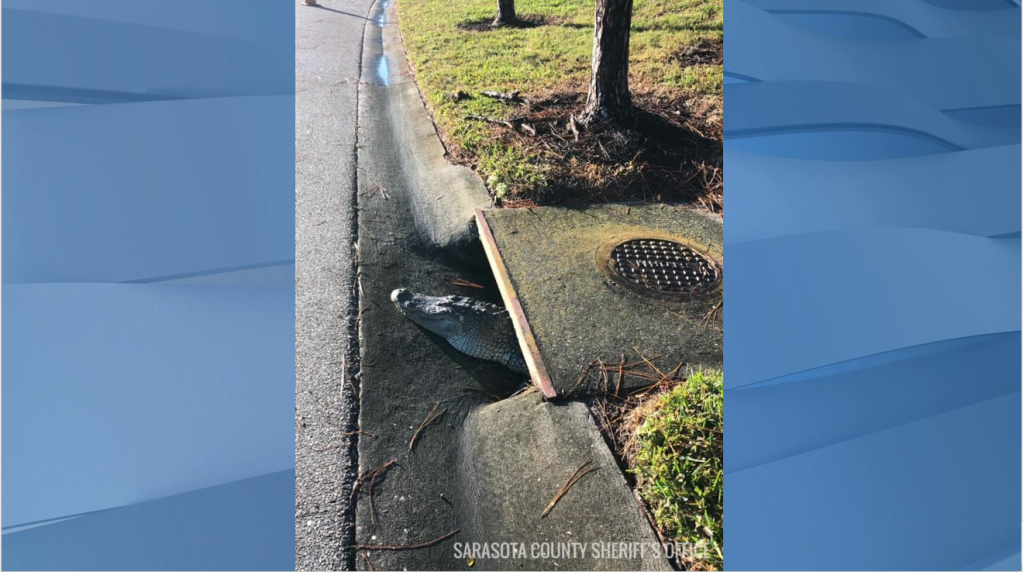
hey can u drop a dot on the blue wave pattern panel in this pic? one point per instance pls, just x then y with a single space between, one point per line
873 165
160 189
165 533
96 58
148 258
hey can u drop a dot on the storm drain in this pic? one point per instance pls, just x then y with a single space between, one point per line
659 268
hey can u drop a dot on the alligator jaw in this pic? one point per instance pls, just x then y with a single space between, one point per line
428 312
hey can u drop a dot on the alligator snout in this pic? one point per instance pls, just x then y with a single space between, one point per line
401 296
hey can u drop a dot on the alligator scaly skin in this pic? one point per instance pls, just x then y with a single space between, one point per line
478 329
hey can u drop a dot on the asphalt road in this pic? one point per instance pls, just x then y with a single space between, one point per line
328 46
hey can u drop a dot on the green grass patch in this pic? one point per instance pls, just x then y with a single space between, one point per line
451 50
676 457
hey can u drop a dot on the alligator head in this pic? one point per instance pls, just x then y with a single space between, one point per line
442 316
473 327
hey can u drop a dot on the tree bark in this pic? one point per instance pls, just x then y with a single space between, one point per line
608 97
505 13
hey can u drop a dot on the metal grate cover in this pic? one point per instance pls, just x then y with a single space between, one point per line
661 268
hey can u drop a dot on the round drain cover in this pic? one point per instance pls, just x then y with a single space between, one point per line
661 268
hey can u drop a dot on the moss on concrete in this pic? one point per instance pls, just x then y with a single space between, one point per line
576 315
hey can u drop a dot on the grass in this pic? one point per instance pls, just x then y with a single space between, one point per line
668 436
676 457
452 50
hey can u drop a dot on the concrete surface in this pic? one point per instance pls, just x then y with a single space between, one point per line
486 464
328 42
515 455
576 316
443 218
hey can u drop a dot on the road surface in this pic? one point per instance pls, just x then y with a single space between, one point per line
328 46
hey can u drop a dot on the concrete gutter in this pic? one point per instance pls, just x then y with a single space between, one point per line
410 147
486 467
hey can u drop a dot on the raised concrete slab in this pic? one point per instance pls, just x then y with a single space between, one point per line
516 454
568 313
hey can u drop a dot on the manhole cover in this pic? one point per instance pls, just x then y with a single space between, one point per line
660 268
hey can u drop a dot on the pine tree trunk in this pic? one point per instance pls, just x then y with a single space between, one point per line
609 98
505 13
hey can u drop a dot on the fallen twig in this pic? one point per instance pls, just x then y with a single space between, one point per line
573 127
432 416
407 546
466 283
621 375
369 493
507 124
512 97
524 390
648 362
368 473
582 377
572 480
603 374
713 313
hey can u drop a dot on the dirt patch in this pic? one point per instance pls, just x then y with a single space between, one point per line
706 52
486 24
618 413
669 152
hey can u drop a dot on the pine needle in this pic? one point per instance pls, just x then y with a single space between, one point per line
572 480
406 546
432 416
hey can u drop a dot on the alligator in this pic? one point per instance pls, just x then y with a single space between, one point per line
479 329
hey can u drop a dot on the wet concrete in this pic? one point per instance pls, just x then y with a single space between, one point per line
382 69
407 144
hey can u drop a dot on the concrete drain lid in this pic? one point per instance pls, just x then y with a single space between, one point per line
658 267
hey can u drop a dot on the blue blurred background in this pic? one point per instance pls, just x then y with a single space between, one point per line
148 284
872 165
